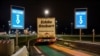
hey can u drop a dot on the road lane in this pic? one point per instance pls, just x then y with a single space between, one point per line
70 51
34 51
50 52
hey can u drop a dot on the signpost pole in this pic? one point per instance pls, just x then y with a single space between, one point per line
80 34
17 39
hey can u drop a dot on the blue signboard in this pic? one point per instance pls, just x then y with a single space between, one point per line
17 18
81 19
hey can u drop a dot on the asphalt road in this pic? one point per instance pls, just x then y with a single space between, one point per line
45 50
33 51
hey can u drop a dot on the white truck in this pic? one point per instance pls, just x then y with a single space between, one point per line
46 30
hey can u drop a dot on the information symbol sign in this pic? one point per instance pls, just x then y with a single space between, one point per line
80 19
17 18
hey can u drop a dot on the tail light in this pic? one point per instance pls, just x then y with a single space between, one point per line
39 40
53 40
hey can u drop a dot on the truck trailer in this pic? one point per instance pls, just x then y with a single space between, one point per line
46 30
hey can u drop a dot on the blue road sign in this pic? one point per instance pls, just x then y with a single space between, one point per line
81 19
17 18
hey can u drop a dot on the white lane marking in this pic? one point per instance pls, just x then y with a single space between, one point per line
38 51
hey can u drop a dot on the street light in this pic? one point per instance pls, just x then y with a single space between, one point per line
3 27
9 23
93 30
66 29
30 27
46 12
56 25
71 28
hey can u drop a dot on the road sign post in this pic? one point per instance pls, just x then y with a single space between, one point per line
80 19
17 40
80 34
17 20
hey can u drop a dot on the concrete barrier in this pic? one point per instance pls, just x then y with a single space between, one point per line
6 47
21 52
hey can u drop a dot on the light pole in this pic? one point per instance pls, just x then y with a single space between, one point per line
93 31
3 27
65 30
56 25
30 28
71 28
9 23
26 32
46 12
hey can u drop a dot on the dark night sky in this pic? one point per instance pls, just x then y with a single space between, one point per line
62 10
